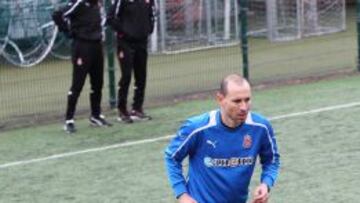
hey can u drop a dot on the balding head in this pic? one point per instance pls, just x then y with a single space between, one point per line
233 78
234 99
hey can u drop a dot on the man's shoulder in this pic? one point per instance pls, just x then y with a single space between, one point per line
72 2
201 120
257 118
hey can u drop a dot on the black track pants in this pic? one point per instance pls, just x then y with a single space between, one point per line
87 57
132 57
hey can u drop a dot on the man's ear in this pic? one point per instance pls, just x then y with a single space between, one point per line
219 97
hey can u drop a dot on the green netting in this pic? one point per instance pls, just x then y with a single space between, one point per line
39 93
61 47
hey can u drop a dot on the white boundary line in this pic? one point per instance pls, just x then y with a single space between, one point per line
126 144
329 108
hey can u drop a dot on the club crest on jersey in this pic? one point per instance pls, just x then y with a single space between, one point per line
121 54
247 142
79 61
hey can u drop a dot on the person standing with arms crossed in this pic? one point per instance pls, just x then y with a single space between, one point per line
133 21
222 147
83 22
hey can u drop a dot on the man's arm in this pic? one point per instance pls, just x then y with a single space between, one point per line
112 15
261 194
71 8
269 158
62 15
270 161
180 146
153 14
186 198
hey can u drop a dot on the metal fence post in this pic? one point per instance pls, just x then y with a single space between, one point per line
244 39
358 32
110 62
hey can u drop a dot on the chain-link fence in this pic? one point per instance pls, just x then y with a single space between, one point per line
195 44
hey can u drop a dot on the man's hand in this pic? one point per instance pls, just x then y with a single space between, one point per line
261 194
186 198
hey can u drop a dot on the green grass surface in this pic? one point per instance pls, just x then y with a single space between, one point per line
320 152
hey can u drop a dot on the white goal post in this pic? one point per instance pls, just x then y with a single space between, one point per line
185 25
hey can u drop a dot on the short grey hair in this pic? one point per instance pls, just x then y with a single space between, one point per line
236 78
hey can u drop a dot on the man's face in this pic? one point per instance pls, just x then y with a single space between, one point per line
236 103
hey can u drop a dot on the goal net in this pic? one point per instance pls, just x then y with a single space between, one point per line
185 25
27 32
282 20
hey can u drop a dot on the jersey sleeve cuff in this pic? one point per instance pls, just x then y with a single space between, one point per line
268 181
179 190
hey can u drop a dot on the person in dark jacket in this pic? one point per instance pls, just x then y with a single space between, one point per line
82 21
133 22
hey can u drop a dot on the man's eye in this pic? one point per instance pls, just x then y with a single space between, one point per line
241 100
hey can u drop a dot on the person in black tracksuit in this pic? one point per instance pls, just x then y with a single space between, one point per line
84 21
133 21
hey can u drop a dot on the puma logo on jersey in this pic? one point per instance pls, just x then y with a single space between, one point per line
213 144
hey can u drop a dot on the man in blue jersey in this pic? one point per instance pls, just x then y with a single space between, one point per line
222 147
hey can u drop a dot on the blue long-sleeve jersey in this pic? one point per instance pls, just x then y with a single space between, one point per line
221 159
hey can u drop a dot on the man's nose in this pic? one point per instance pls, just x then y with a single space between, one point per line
243 105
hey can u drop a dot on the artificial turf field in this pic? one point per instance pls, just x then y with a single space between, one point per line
317 127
